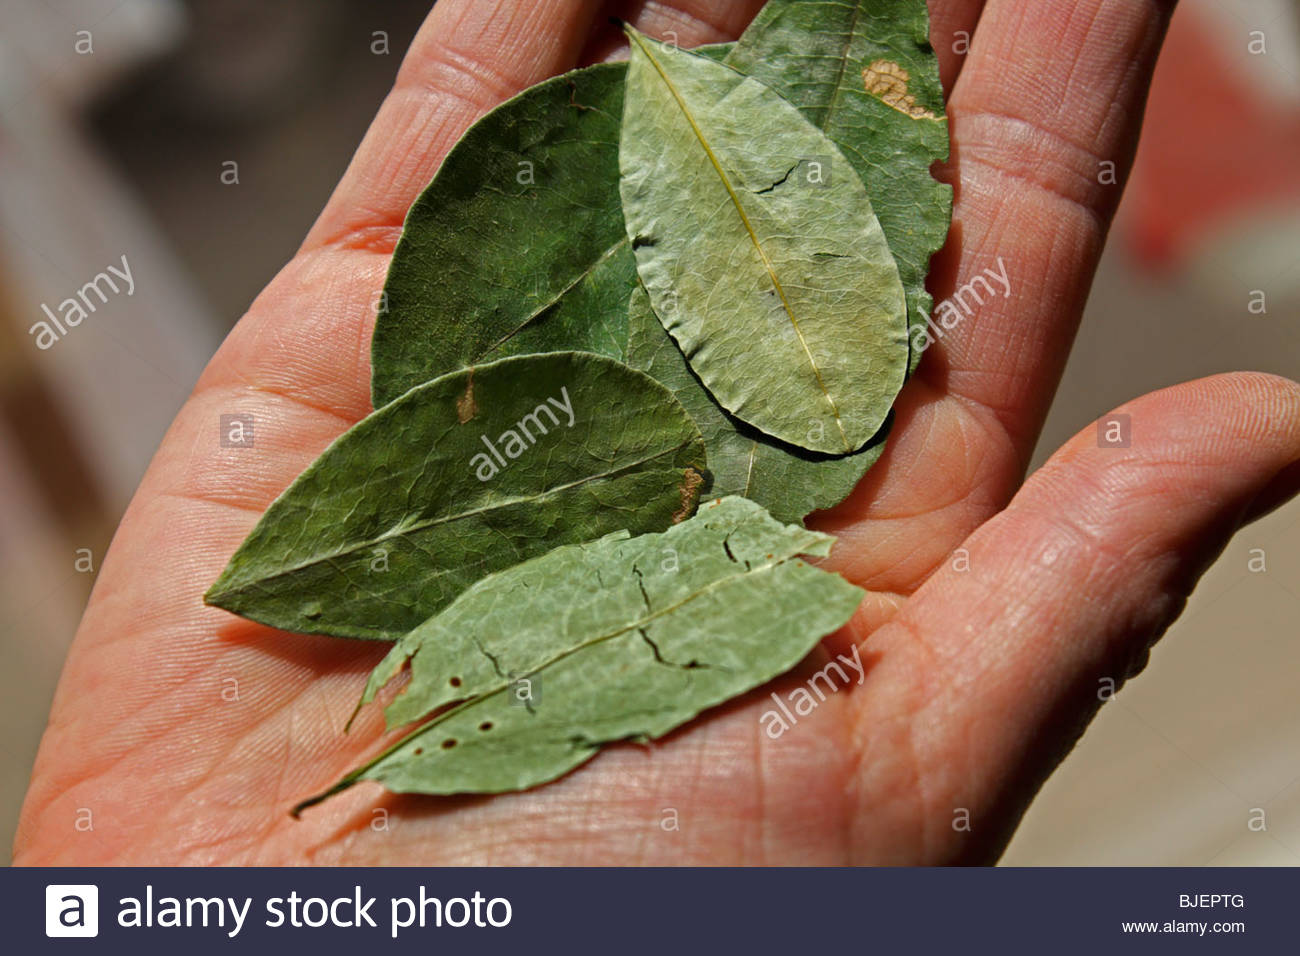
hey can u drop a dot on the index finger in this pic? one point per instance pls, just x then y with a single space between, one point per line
468 56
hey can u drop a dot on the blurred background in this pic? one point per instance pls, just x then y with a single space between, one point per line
201 137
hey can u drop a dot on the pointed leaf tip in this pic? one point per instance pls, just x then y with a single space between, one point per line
412 504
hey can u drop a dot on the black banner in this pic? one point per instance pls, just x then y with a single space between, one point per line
659 911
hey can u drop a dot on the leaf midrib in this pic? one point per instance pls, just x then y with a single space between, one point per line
639 623
749 229
424 525
471 702
555 299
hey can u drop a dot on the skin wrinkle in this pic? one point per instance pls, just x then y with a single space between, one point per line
1090 18
760 837
1003 143
932 483
849 779
273 809
913 565
153 709
379 238
371 208
253 390
927 504
1028 179
214 653
452 69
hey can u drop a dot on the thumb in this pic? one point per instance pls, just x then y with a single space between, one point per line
991 671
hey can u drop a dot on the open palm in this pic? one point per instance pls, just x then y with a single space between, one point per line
182 734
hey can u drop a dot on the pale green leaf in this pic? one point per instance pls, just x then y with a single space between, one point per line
821 55
462 476
760 251
787 481
621 638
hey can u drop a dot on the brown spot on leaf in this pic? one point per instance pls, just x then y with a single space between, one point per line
887 82
466 408
573 97
690 492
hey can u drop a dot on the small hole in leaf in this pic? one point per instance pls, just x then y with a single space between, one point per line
448 743
455 682
486 725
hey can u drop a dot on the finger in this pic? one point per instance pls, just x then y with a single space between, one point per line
304 345
693 22
987 676
467 57
952 26
1044 118
686 23
1049 93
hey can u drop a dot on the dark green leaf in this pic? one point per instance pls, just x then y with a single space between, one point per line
821 55
517 244
760 251
787 481
621 638
467 474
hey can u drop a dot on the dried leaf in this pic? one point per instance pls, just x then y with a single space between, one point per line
863 72
465 475
787 481
517 245
621 638
760 251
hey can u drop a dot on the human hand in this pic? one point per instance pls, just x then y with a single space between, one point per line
979 672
